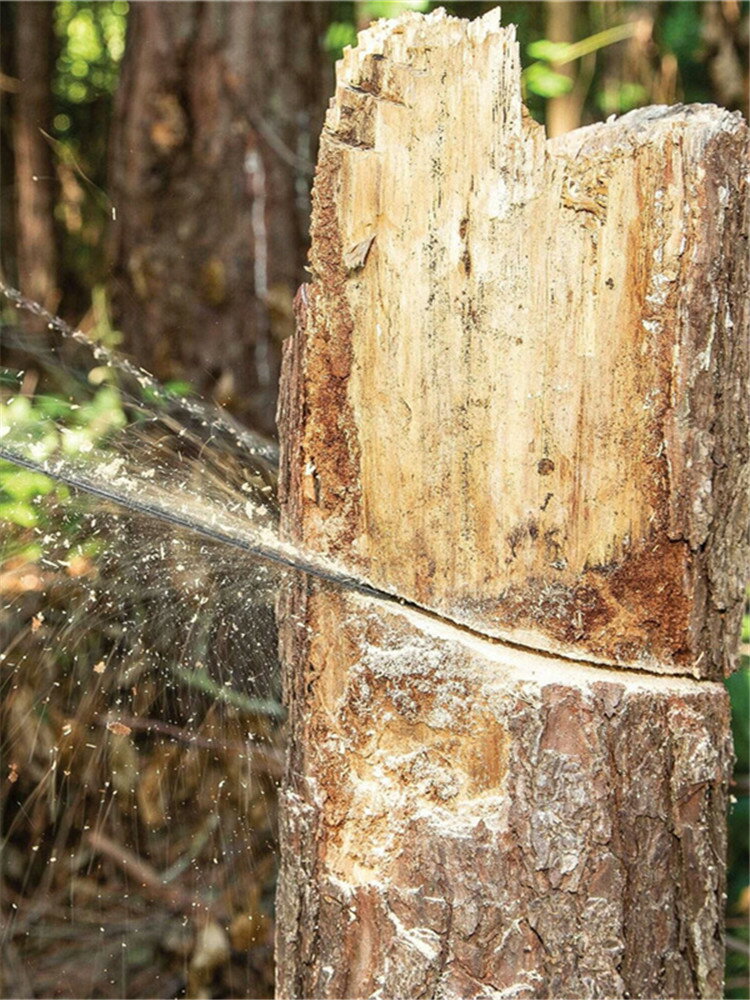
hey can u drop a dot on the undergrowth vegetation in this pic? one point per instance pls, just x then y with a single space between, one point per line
139 692
139 718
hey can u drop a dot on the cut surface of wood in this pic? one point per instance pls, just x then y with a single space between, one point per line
521 368
463 819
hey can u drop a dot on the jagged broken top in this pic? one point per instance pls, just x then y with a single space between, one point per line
523 410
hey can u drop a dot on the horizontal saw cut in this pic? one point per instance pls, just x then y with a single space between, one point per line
520 363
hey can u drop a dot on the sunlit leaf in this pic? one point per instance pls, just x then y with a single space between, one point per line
546 82
548 51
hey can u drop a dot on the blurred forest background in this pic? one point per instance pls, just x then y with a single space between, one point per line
157 159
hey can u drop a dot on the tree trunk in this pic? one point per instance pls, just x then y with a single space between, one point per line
8 87
216 124
34 173
563 114
517 401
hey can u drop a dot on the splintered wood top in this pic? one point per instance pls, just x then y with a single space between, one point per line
518 391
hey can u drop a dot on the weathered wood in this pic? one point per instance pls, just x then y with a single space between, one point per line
516 398
524 362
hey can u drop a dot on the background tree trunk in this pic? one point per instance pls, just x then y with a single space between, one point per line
34 173
516 399
564 112
8 87
216 124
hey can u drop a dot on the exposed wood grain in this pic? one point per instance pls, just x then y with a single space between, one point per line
523 400
517 397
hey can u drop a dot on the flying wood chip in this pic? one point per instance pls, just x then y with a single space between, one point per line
119 728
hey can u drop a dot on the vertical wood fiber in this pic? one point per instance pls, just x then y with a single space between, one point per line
525 361
517 398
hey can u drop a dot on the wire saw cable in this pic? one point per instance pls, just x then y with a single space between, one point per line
80 481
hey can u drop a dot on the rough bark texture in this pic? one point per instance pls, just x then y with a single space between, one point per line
524 362
215 131
462 819
34 174
517 398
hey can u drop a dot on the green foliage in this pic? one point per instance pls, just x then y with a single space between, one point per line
159 398
339 35
375 9
616 99
19 493
75 429
681 29
92 41
15 512
23 484
45 426
738 686
544 81
567 52
738 859
678 31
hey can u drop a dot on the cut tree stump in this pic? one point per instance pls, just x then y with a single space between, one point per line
516 400
464 819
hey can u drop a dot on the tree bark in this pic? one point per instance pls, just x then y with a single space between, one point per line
216 123
517 401
460 817
34 173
